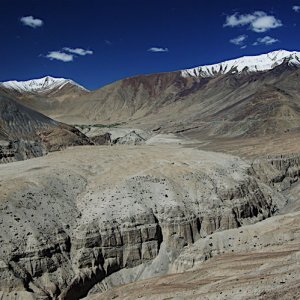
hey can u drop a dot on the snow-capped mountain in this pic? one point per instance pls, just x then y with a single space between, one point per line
263 62
43 85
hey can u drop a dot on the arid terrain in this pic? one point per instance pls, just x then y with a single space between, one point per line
166 186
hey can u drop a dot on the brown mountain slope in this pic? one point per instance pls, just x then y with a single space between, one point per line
18 121
26 133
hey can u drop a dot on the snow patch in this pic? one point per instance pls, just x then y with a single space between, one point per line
41 85
263 62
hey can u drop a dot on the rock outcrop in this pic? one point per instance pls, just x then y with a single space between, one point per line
280 171
20 150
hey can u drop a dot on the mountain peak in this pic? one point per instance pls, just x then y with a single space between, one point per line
263 62
40 85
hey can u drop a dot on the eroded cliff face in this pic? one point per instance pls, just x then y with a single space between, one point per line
258 261
70 221
11 151
280 171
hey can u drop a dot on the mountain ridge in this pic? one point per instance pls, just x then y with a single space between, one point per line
254 63
40 85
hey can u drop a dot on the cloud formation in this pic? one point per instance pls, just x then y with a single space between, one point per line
32 22
61 56
78 51
267 40
158 49
68 54
258 21
296 8
239 40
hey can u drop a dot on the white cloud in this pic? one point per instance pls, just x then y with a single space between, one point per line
239 20
68 54
258 21
158 49
296 8
267 40
58 55
32 22
239 40
78 51
265 23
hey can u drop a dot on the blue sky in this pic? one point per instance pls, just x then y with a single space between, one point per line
98 42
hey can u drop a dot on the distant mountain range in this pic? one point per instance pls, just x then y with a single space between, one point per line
246 64
247 96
